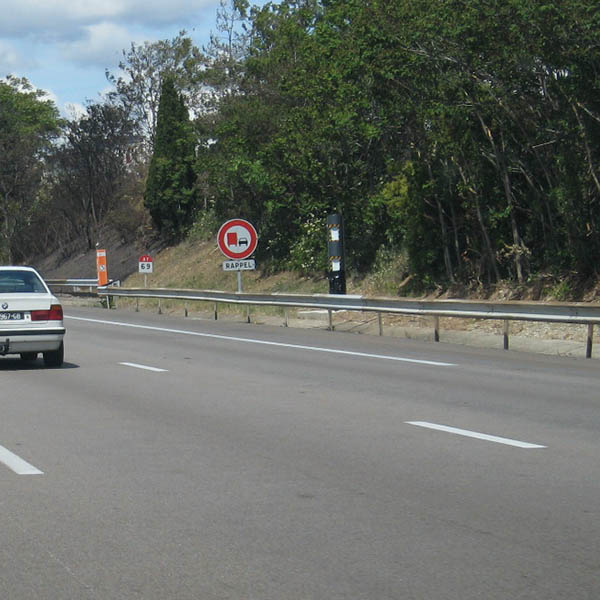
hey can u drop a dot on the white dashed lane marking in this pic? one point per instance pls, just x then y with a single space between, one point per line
475 434
144 367
17 464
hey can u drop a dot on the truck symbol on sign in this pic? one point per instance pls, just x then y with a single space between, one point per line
234 240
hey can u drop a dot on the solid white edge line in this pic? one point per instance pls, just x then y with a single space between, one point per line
17 464
475 434
267 343
145 367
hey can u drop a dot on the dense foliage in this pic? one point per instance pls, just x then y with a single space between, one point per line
28 124
170 189
464 135
89 170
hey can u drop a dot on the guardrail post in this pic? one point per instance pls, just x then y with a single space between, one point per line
137 305
159 307
436 329
216 311
248 314
590 340
286 317
505 332
380 322
330 313
185 310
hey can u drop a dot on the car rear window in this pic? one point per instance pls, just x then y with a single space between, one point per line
17 282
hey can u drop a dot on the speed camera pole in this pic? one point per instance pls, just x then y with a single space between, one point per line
336 254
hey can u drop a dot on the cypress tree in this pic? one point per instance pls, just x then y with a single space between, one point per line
170 190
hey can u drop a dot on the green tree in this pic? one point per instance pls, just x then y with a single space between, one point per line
301 131
90 168
465 133
145 66
170 189
28 124
227 48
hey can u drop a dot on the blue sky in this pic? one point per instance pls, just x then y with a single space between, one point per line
65 46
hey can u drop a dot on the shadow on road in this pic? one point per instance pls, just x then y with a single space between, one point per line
16 364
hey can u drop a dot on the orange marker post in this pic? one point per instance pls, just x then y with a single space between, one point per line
102 267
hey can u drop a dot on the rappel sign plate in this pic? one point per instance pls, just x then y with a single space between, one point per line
239 265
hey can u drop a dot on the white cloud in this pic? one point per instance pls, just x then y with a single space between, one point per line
101 44
64 19
66 45
50 95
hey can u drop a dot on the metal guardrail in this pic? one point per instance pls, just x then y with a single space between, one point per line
88 287
73 282
77 286
574 313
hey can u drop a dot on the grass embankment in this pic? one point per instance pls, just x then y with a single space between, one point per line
198 265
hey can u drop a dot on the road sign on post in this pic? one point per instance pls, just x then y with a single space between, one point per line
237 240
146 266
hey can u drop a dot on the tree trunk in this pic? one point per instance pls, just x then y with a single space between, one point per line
588 151
444 229
500 164
6 235
484 232
447 260
486 237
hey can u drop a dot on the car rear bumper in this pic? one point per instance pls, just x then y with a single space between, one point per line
42 340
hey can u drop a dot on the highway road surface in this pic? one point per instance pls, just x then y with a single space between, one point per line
180 459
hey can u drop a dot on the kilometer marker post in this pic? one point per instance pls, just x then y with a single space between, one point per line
145 266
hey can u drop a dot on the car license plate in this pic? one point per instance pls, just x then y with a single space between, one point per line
11 316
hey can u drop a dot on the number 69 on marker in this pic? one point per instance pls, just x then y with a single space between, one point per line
146 264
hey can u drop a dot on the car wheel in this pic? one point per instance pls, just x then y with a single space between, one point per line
54 358
29 356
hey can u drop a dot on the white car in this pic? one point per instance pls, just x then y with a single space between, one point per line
31 317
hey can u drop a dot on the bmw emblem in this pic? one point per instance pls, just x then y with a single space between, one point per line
5 305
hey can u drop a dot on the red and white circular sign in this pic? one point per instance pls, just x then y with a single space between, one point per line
237 239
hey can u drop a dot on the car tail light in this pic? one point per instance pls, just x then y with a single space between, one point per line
54 314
